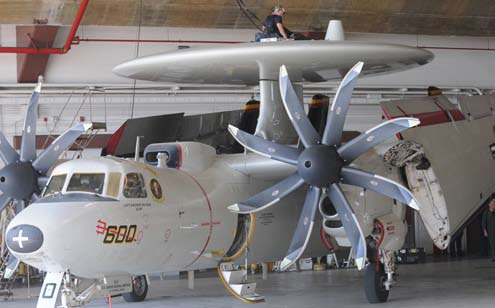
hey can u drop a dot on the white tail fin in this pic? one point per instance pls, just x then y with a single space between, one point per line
335 31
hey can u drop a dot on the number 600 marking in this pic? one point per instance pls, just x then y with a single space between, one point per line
120 234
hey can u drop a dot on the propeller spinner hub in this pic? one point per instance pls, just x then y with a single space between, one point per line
18 180
320 165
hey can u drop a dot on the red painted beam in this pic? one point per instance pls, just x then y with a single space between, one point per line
48 51
77 40
75 25
30 66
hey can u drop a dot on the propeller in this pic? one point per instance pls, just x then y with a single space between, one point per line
12 264
323 164
24 174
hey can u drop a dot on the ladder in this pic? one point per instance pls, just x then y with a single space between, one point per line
234 279
6 285
350 262
85 139
332 259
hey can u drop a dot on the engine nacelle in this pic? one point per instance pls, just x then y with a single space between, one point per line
192 157
331 222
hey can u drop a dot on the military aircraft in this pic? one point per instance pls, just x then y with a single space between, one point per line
177 210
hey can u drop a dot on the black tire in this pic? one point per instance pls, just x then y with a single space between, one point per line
139 290
373 284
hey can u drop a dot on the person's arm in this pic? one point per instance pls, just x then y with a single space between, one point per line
282 30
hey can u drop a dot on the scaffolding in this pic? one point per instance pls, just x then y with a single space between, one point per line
6 284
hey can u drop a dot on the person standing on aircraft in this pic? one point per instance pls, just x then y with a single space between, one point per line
272 26
488 223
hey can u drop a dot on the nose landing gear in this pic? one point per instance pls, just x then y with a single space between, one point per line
375 283
380 273
77 292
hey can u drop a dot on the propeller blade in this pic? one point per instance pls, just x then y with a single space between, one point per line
4 201
357 146
7 152
28 143
379 184
51 154
304 227
268 196
12 265
350 223
35 197
337 113
42 181
20 205
264 147
295 110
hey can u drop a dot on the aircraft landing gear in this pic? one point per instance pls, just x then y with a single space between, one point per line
380 273
379 278
139 290
76 292
69 296
374 284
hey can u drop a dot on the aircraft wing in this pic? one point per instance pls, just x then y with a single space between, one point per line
459 172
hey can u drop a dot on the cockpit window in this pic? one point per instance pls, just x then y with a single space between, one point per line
113 185
55 185
87 182
134 186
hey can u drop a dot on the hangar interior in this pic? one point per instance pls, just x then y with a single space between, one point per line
76 44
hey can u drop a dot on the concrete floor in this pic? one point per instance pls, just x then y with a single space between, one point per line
442 284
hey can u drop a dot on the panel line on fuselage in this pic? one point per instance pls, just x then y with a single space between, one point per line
210 231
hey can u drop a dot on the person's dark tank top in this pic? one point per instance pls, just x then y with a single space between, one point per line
270 23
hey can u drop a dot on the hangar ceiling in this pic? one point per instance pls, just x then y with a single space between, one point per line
440 17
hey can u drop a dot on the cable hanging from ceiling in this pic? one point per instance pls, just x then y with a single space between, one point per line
252 17
137 55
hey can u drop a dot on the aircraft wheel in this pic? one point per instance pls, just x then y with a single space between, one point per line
139 290
373 286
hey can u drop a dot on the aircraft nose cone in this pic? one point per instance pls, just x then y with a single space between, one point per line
24 239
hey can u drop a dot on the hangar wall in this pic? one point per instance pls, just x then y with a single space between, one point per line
8 64
467 61
89 64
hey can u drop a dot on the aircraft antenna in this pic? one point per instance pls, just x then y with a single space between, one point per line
137 55
138 148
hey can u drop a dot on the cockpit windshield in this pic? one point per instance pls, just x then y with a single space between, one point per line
56 184
86 182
